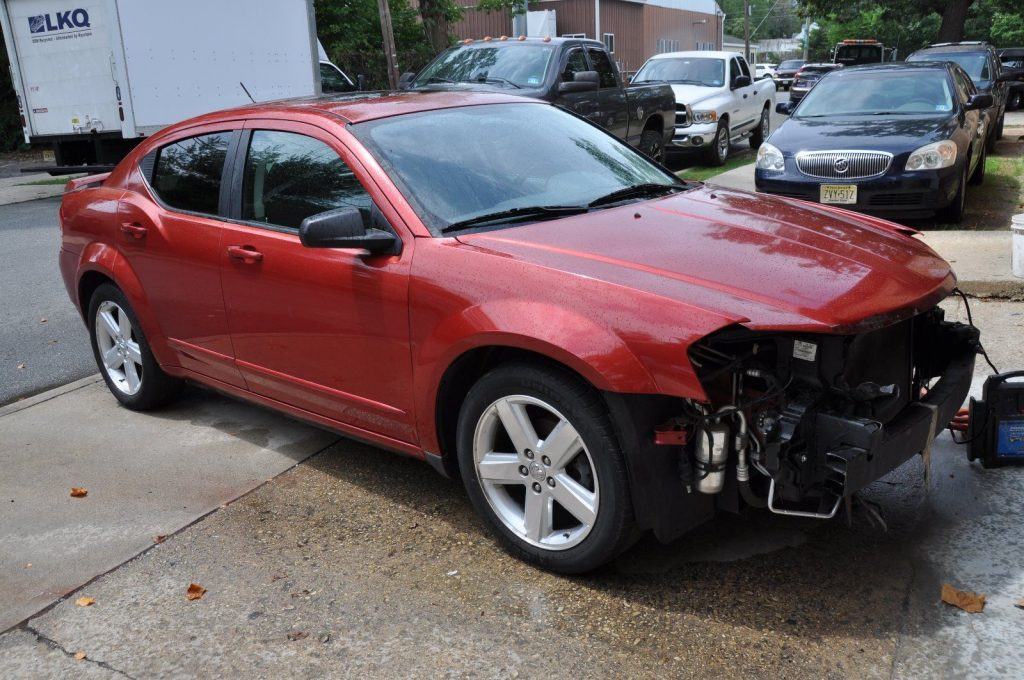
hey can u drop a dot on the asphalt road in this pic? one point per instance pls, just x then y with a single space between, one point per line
43 342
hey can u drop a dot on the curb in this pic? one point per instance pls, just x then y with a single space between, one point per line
29 402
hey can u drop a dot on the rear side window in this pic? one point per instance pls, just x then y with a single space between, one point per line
289 177
187 175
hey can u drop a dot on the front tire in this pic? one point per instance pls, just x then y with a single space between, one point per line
123 355
652 146
541 465
716 154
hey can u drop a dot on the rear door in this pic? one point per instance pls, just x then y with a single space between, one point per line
172 244
324 330
66 65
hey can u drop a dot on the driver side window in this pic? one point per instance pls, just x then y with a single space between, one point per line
288 177
575 63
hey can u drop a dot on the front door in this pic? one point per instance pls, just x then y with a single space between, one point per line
610 111
173 247
323 330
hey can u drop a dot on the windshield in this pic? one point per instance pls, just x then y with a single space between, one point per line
456 164
975 64
858 54
689 70
849 93
791 65
521 65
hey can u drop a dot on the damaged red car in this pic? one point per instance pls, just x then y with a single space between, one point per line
501 288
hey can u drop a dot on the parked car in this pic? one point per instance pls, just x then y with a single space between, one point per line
717 102
764 71
332 78
1013 61
93 81
509 292
982 64
807 77
576 74
786 71
900 139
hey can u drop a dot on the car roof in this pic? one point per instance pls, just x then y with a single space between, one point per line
697 53
946 48
901 66
505 41
358 107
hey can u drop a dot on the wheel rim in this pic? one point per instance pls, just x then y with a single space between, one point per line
119 349
723 143
655 152
764 125
535 472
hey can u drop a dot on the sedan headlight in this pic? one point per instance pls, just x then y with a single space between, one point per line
933 156
770 158
705 116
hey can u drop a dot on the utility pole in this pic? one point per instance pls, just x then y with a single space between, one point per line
807 36
746 30
388 33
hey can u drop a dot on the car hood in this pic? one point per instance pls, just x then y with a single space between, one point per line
766 262
895 134
693 94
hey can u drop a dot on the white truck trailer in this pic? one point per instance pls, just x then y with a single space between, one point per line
94 77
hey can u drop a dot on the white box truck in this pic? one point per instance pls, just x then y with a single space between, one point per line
94 77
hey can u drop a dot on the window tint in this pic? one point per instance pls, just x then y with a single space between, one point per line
575 63
734 70
603 66
289 177
187 174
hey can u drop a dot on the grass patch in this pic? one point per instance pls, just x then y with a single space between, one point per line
1000 197
735 160
46 182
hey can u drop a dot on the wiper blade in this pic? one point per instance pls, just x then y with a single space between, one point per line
636 191
439 79
494 79
533 211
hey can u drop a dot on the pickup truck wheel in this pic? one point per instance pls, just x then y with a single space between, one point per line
652 146
764 128
1016 100
716 154
541 464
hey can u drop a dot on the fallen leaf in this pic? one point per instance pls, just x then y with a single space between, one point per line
298 635
159 538
1019 604
43 320
85 601
28 566
21 367
195 591
966 600
79 492
79 656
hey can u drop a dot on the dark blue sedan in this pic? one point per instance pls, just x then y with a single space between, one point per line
897 140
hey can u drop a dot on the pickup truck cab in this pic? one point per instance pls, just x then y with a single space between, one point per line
575 74
717 101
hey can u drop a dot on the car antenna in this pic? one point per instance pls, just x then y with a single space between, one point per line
246 90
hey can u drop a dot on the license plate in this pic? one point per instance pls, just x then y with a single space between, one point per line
839 193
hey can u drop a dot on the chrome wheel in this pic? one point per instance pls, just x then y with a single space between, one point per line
765 124
535 472
118 348
722 143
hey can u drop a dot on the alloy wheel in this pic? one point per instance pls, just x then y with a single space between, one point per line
765 125
118 347
723 143
535 472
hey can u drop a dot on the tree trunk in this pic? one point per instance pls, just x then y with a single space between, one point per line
435 24
954 15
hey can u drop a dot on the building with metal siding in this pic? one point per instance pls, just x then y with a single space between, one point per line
633 29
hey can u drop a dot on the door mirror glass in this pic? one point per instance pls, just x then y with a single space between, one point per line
978 101
740 81
583 81
785 108
345 228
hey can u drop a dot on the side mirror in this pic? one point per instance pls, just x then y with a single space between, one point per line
740 81
785 108
583 81
405 80
360 82
978 101
345 228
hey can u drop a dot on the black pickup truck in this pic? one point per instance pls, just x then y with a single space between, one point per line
573 73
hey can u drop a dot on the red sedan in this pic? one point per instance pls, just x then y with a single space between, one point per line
501 288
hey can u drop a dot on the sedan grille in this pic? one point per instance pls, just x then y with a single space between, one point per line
843 164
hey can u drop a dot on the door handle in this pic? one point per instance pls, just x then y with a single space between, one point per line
133 229
246 254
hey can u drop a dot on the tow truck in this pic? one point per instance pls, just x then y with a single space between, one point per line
859 51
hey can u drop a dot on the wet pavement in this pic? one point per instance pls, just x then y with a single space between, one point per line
362 563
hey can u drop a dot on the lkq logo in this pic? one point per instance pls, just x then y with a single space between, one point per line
68 20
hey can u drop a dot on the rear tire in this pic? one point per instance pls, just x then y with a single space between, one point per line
716 154
652 146
123 355
569 513
1015 101
764 127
